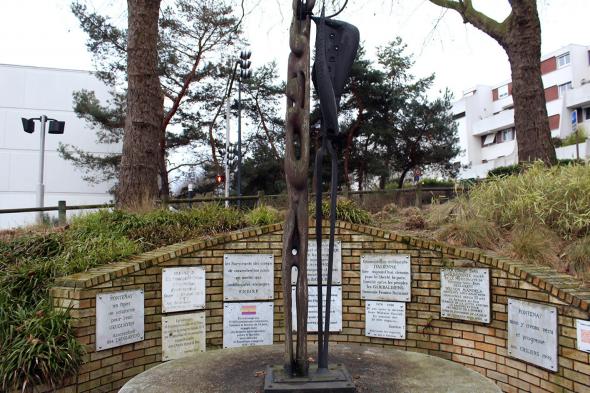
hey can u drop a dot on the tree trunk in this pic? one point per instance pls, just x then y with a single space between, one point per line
163 169
138 185
402 177
523 46
520 36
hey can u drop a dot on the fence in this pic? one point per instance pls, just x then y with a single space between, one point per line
372 201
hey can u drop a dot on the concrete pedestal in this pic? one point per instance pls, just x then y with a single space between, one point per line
374 370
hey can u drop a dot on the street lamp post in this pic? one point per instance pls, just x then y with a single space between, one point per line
245 73
55 127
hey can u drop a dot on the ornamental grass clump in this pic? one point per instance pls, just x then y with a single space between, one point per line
577 255
535 244
346 210
471 232
263 215
558 197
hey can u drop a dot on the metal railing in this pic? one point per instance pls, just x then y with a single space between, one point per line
372 200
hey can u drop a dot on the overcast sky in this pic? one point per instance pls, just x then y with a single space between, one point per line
45 33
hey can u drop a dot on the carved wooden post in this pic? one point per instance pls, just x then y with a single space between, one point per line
296 170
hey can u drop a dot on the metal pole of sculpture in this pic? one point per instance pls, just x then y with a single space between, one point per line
296 166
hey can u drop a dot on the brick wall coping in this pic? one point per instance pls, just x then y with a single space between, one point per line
564 287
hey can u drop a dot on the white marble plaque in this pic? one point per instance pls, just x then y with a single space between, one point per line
247 324
312 263
385 319
248 277
312 308
583 328
119 318
532 333
183 335
386 277
465 294
183 289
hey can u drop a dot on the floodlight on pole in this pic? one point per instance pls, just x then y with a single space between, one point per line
245 73
55 127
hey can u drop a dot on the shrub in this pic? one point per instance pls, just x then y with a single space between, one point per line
346 210
508 170
432 182
262 215
471 232
558 197
575 138
37 347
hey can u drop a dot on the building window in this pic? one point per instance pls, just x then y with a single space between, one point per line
587 110
563 88
563 60
503 91
508 135
489 139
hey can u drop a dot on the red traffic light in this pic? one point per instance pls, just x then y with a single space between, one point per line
219 179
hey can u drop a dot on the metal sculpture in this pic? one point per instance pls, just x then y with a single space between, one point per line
296 167
336 47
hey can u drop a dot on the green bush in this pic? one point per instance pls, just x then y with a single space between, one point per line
346 210
431 182
263 215
575 138
508 170
37 347
558 197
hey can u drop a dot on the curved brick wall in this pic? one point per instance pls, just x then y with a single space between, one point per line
481 347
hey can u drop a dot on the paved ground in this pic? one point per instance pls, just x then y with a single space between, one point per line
374 370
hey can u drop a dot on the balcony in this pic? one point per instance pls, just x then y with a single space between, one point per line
580 96
502 120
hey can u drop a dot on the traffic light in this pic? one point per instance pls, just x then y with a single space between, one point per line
219 179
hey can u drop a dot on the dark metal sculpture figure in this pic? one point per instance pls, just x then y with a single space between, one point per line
336 47
296 166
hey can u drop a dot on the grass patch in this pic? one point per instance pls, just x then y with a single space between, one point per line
471 232
535 244
577 255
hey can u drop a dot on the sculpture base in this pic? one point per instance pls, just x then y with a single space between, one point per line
336 379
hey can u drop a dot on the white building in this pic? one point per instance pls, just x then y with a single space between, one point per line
31 92
485 114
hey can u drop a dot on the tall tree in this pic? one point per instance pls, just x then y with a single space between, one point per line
520 36
139 164
193 40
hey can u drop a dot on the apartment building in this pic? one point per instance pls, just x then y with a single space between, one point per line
30 92
485 114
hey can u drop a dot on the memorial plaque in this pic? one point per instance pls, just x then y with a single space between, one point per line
312 313
248 276
583 328
183 335
247 324
386 277
312 263
532 333
119 318
183 289
385 319
465 294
